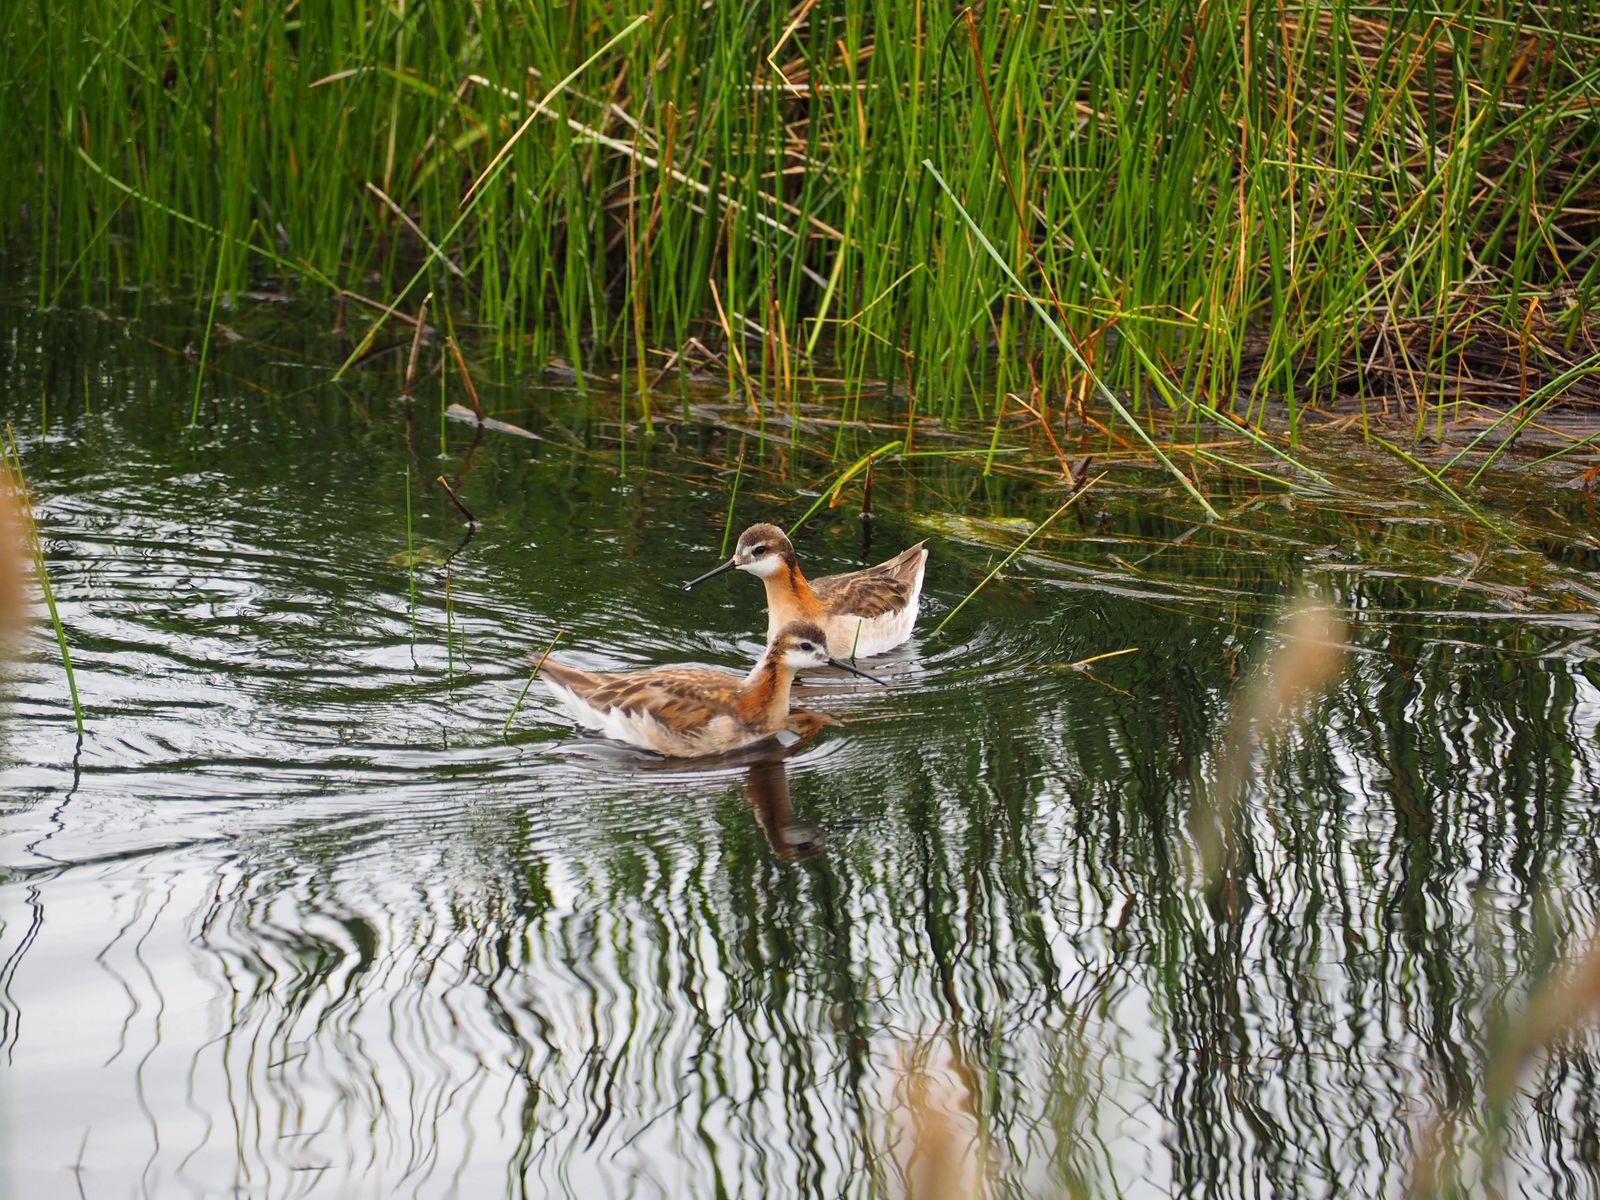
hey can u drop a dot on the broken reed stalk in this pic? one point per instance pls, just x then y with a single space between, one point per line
466 376
416 230
1037 530
466 512
534 674
416 346
1084 667
30 532
830 494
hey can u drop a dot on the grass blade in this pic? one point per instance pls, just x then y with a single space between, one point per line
534 674
1060 335
1037 530
36 548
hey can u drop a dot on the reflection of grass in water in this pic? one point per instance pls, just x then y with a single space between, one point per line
1567 1002
942 1141
944 1155
1305 660
927 874
942 1150
803 947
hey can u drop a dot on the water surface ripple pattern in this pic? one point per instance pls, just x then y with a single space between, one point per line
295 919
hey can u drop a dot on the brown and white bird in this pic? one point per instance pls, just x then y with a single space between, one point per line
863 612
688 712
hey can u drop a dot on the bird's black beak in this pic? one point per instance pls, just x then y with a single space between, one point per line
844 666
727 566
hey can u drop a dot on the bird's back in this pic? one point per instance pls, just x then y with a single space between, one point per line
875 591
681 697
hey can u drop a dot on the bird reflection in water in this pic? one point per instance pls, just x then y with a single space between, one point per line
765 783
766 787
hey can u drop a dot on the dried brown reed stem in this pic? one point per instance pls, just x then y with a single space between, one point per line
1308 657
735 354
1038 415
416 230
14 567
376 306
466 377
1565 1004
941 1155
456 500
416 345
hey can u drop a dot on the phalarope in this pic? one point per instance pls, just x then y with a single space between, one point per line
686 712
863 613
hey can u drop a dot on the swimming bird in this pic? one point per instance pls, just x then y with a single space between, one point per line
863 613
686 712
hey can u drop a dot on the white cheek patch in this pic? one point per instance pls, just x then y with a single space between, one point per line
761 568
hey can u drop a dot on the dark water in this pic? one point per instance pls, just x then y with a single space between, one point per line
293 918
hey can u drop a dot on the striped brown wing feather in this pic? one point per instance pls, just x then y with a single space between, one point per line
874 591
683 698
579 682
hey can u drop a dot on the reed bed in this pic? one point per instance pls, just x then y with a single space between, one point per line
1242 206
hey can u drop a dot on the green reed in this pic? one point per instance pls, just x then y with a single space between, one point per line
733 498
205 342
1226 205
1019 548
35 547
532 675
411 564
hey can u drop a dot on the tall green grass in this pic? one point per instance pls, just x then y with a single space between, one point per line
1231 202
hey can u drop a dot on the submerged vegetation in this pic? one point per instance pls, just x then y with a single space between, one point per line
1240 204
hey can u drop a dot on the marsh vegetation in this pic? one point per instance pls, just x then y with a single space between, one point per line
1254 208
357 354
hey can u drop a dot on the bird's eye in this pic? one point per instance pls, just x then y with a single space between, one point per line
807 646
757 550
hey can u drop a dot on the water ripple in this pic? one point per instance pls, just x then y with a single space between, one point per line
295 917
